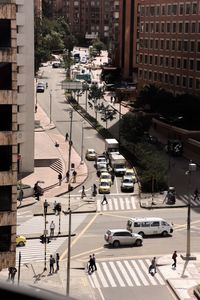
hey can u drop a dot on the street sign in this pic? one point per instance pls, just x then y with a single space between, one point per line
72 85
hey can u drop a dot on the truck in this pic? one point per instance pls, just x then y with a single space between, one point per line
118 164
111 146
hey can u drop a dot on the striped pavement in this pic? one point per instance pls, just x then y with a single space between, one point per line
118 203
124 273
185 198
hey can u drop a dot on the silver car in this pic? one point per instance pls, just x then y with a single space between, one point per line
122 237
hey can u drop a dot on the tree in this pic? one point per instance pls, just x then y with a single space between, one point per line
98 46
95 93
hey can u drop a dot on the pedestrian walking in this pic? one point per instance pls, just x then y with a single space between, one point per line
104 200
54 206
36 191
45 205
9 273
60 178
152 267
74 176
13 273
52 229
90 265
66 136
21 196
57 262
174 256
112 177
83 194
51 264
94 190
35 108
94 262
196 194
46 85
67 176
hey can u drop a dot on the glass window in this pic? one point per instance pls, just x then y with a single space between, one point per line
155 75
150 75
157 27
198 65
145 224
184 63
174 27
166 61
190 83
180 27
161 60
185 46
161 44
179 45
136 224
166 78
5 197
177 80
187 9
198 83
157 10
162 27
193 27
152 10
174 9
156 44
155 224
152 27
5 238
181 9
156 60
146 59
192 46
151 44
173 45
178 63
169 8
186 27
146 27
184 81
198 46
194 8
171 79
150 59
168 27
172 62
191 64
163 10
167 44
160 77
199 27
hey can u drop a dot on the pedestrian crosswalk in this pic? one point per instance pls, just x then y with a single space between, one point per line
57 166
34 250
118 203
189 197
124 273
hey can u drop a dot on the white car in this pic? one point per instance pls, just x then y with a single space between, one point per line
90 154
118 237
127 184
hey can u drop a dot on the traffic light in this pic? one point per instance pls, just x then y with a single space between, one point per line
42 239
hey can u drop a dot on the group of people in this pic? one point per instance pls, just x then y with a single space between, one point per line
91 266
52 262
153 266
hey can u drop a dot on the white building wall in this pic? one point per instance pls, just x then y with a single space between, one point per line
25 82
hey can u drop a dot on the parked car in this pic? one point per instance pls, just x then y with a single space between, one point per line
122 237
40 87
127 184
20 240
90 154
101 168
104 186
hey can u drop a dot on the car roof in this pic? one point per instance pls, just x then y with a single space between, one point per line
130 170
116 230
91 150
105 173
147 219
127 177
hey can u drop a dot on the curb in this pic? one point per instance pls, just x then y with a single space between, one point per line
172 289
162 207
55 236
72 212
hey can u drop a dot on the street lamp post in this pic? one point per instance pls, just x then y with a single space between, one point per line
46 204
82 139
69 208
192 168
50 105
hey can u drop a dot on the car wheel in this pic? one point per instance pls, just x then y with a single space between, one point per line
141 233
138 243
21 244
164 233
116 244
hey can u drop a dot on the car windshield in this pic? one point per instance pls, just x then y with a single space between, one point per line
104 183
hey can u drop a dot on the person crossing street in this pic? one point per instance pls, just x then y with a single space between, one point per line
104 200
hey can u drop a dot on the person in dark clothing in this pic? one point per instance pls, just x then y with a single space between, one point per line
51 264
94 268
104 200
57 262
74 176
174 256
36 191
67 176
83 194
60 178
90 264
13 273
66 136
21 196
112 177
196 194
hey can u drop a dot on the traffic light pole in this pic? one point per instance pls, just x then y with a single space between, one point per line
59 222
45 241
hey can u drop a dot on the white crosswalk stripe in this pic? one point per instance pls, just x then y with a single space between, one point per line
185 198
123 273
117 203
34 250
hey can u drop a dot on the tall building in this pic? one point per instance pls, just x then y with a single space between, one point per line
16 113
87 19
8 132
128 39
169 53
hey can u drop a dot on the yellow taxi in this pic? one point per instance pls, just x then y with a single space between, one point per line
104 186
20 240
107 176
131 172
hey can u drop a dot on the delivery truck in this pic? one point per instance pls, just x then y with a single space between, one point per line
118 164
111 146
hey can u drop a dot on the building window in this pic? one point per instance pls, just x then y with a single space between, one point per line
166 61
163 10
162 27
146 27
174 9
198 65
5 118
179 45
186 27
160 78
150 75
169 8
198 46
152 27
157 27
168 27
156 60
185 46
140 73
172 62
173 45
151 44
178 80
191 64
5 28
166 78
155 76
194 8
190 82
199 27
187 9
145 74
193 27
150 59
146 59
6 197
174 27
198 83
192 46
158 10
180 27
152 10
184 63
5 157
5 76
147 11
181 9
5 238
167 45
184 81
156 44
178 63
171 79
161 44
161 60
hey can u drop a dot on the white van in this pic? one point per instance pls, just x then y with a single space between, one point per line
149 226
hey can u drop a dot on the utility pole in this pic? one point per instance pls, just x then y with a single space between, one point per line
50 105
82 139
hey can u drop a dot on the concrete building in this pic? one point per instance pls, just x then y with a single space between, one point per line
87 19
128 39
8 132
169 53
25 84
16 114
